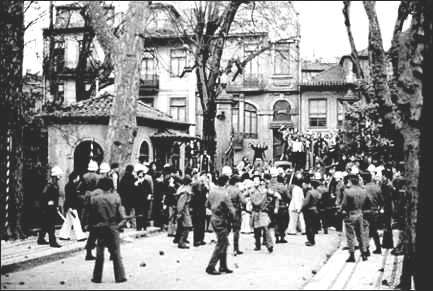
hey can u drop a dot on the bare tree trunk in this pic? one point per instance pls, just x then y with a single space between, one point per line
11 51
127 54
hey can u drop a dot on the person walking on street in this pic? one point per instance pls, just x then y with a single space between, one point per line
142 191
88 187
282 216
311 213
72 225
295 207
198 205
260 218
184 219
170 202
222 215
235 194
105 215
126 190
354 200
371 212
49 202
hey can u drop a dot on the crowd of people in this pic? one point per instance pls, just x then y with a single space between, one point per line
356 195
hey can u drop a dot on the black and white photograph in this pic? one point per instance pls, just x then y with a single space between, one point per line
215 145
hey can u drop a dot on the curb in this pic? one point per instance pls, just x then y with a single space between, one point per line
321 265
31 263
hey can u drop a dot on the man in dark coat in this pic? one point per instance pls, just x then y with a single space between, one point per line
311 213
238 201
184 219
198 205
354 200
222 215
126 191
142 191
105 215
49 202
371 212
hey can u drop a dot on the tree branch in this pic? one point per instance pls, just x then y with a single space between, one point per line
354 53
96 13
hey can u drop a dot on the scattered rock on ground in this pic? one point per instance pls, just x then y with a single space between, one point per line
161 253
62 282
314 272
143 264
21 283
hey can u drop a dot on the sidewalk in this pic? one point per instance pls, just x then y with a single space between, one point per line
24 254
379 272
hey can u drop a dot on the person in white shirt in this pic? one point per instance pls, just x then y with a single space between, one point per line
295 207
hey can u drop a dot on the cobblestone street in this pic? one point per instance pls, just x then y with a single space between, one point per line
290 266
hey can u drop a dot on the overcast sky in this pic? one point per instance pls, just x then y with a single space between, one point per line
323 34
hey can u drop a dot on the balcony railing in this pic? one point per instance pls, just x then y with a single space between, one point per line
253 81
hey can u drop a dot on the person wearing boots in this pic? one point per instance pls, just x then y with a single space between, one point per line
87 188
222 215
105 215
282 216
184 219
311 213
49 202
198 203
371 213
260 218
235 194
354 200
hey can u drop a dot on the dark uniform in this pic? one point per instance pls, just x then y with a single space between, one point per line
371 212
260 218
387 192
326 207
142 190
235 195
354 200
106 213
311 214
198 205
222 215
88 184
282 216
49 202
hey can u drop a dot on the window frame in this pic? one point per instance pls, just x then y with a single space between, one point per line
177 108
178 61
252 112
140 155
340 113
318 116
278 55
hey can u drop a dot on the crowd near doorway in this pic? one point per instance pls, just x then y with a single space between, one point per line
86 151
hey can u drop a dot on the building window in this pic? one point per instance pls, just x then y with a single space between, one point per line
253 66
317 113
59 55
282 59
60 94
250 121
178 108
144 152
340 114
282 111
235 118
148 66
177 62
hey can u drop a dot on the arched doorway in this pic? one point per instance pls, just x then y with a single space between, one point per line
86 151
144 152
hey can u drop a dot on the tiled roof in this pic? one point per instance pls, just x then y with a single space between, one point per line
166 134
100 106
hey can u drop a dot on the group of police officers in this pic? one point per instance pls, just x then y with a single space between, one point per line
282 201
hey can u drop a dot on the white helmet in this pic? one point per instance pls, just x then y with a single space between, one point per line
280 171
104 168
227 171
56 171
139 167
93 166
